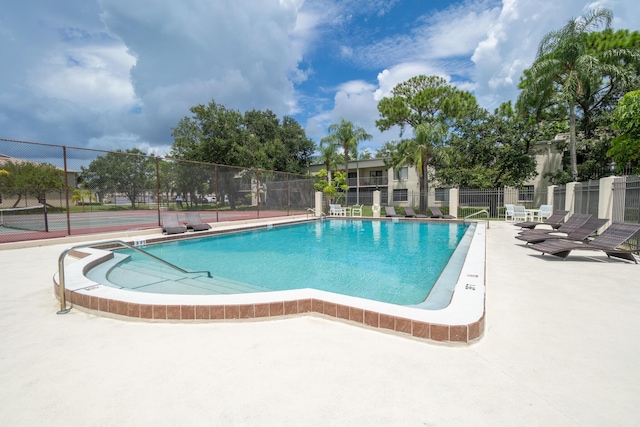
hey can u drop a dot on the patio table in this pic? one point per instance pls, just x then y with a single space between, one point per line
533 214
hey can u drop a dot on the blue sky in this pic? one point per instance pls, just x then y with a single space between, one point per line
117 74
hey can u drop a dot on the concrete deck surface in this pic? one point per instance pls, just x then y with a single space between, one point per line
560 348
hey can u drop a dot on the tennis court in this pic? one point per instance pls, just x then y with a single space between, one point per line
33 224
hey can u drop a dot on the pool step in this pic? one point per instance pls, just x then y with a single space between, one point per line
151 276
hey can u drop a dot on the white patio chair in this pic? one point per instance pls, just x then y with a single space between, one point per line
519 213
337 210
544 212
508 213
356 210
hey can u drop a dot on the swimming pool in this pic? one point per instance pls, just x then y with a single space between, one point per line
394 262
453 312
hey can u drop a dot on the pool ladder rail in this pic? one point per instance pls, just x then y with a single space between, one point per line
312 211
477 213
63 302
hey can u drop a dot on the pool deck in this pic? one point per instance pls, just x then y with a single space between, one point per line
559 348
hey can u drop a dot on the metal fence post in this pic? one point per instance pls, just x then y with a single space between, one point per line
66 189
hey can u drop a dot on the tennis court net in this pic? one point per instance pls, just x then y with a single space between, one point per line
32 218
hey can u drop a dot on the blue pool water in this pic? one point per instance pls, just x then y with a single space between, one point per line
395 262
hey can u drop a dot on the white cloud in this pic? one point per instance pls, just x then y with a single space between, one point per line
356 102
457 30
499 40
388 79
241 54
114 72
94 77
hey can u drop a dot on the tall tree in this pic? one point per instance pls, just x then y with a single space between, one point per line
424 100
625 148
298 148
570 71
347 135
387 149
329 157
22 178
417 152
255 139
429 106
129 172
489 151
211 134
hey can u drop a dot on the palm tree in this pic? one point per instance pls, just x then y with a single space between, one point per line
566 67
418 151
329 156
79 195
346 135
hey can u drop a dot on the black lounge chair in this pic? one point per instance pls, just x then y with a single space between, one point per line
437 213
410 213
572 224
390 211
194 222
581 234
554 221
610 242
171 225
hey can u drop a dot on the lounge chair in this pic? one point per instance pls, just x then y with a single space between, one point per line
171 225
610 242
410 213
555 220
194 222
437 213
581 234
574 222
390 211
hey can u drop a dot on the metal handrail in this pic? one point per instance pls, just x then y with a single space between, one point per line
63 302
477 213
312 211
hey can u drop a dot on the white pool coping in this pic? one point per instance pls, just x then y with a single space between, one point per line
467 305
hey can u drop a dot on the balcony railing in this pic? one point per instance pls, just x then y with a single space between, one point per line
374 181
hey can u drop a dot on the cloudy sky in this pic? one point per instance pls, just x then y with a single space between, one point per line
117 74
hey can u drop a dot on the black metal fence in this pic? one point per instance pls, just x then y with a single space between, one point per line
626 203
89 191
587 196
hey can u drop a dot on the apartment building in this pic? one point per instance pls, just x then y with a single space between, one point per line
402 187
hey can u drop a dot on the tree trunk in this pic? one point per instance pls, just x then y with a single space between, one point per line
424 190
572 142
423 193
346 175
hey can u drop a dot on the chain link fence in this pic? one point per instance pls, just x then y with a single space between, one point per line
55 191
73 191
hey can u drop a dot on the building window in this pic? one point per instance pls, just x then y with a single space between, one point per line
442 194
525 194
401 174
400 195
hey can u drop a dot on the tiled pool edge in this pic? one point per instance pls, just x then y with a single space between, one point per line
463 321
